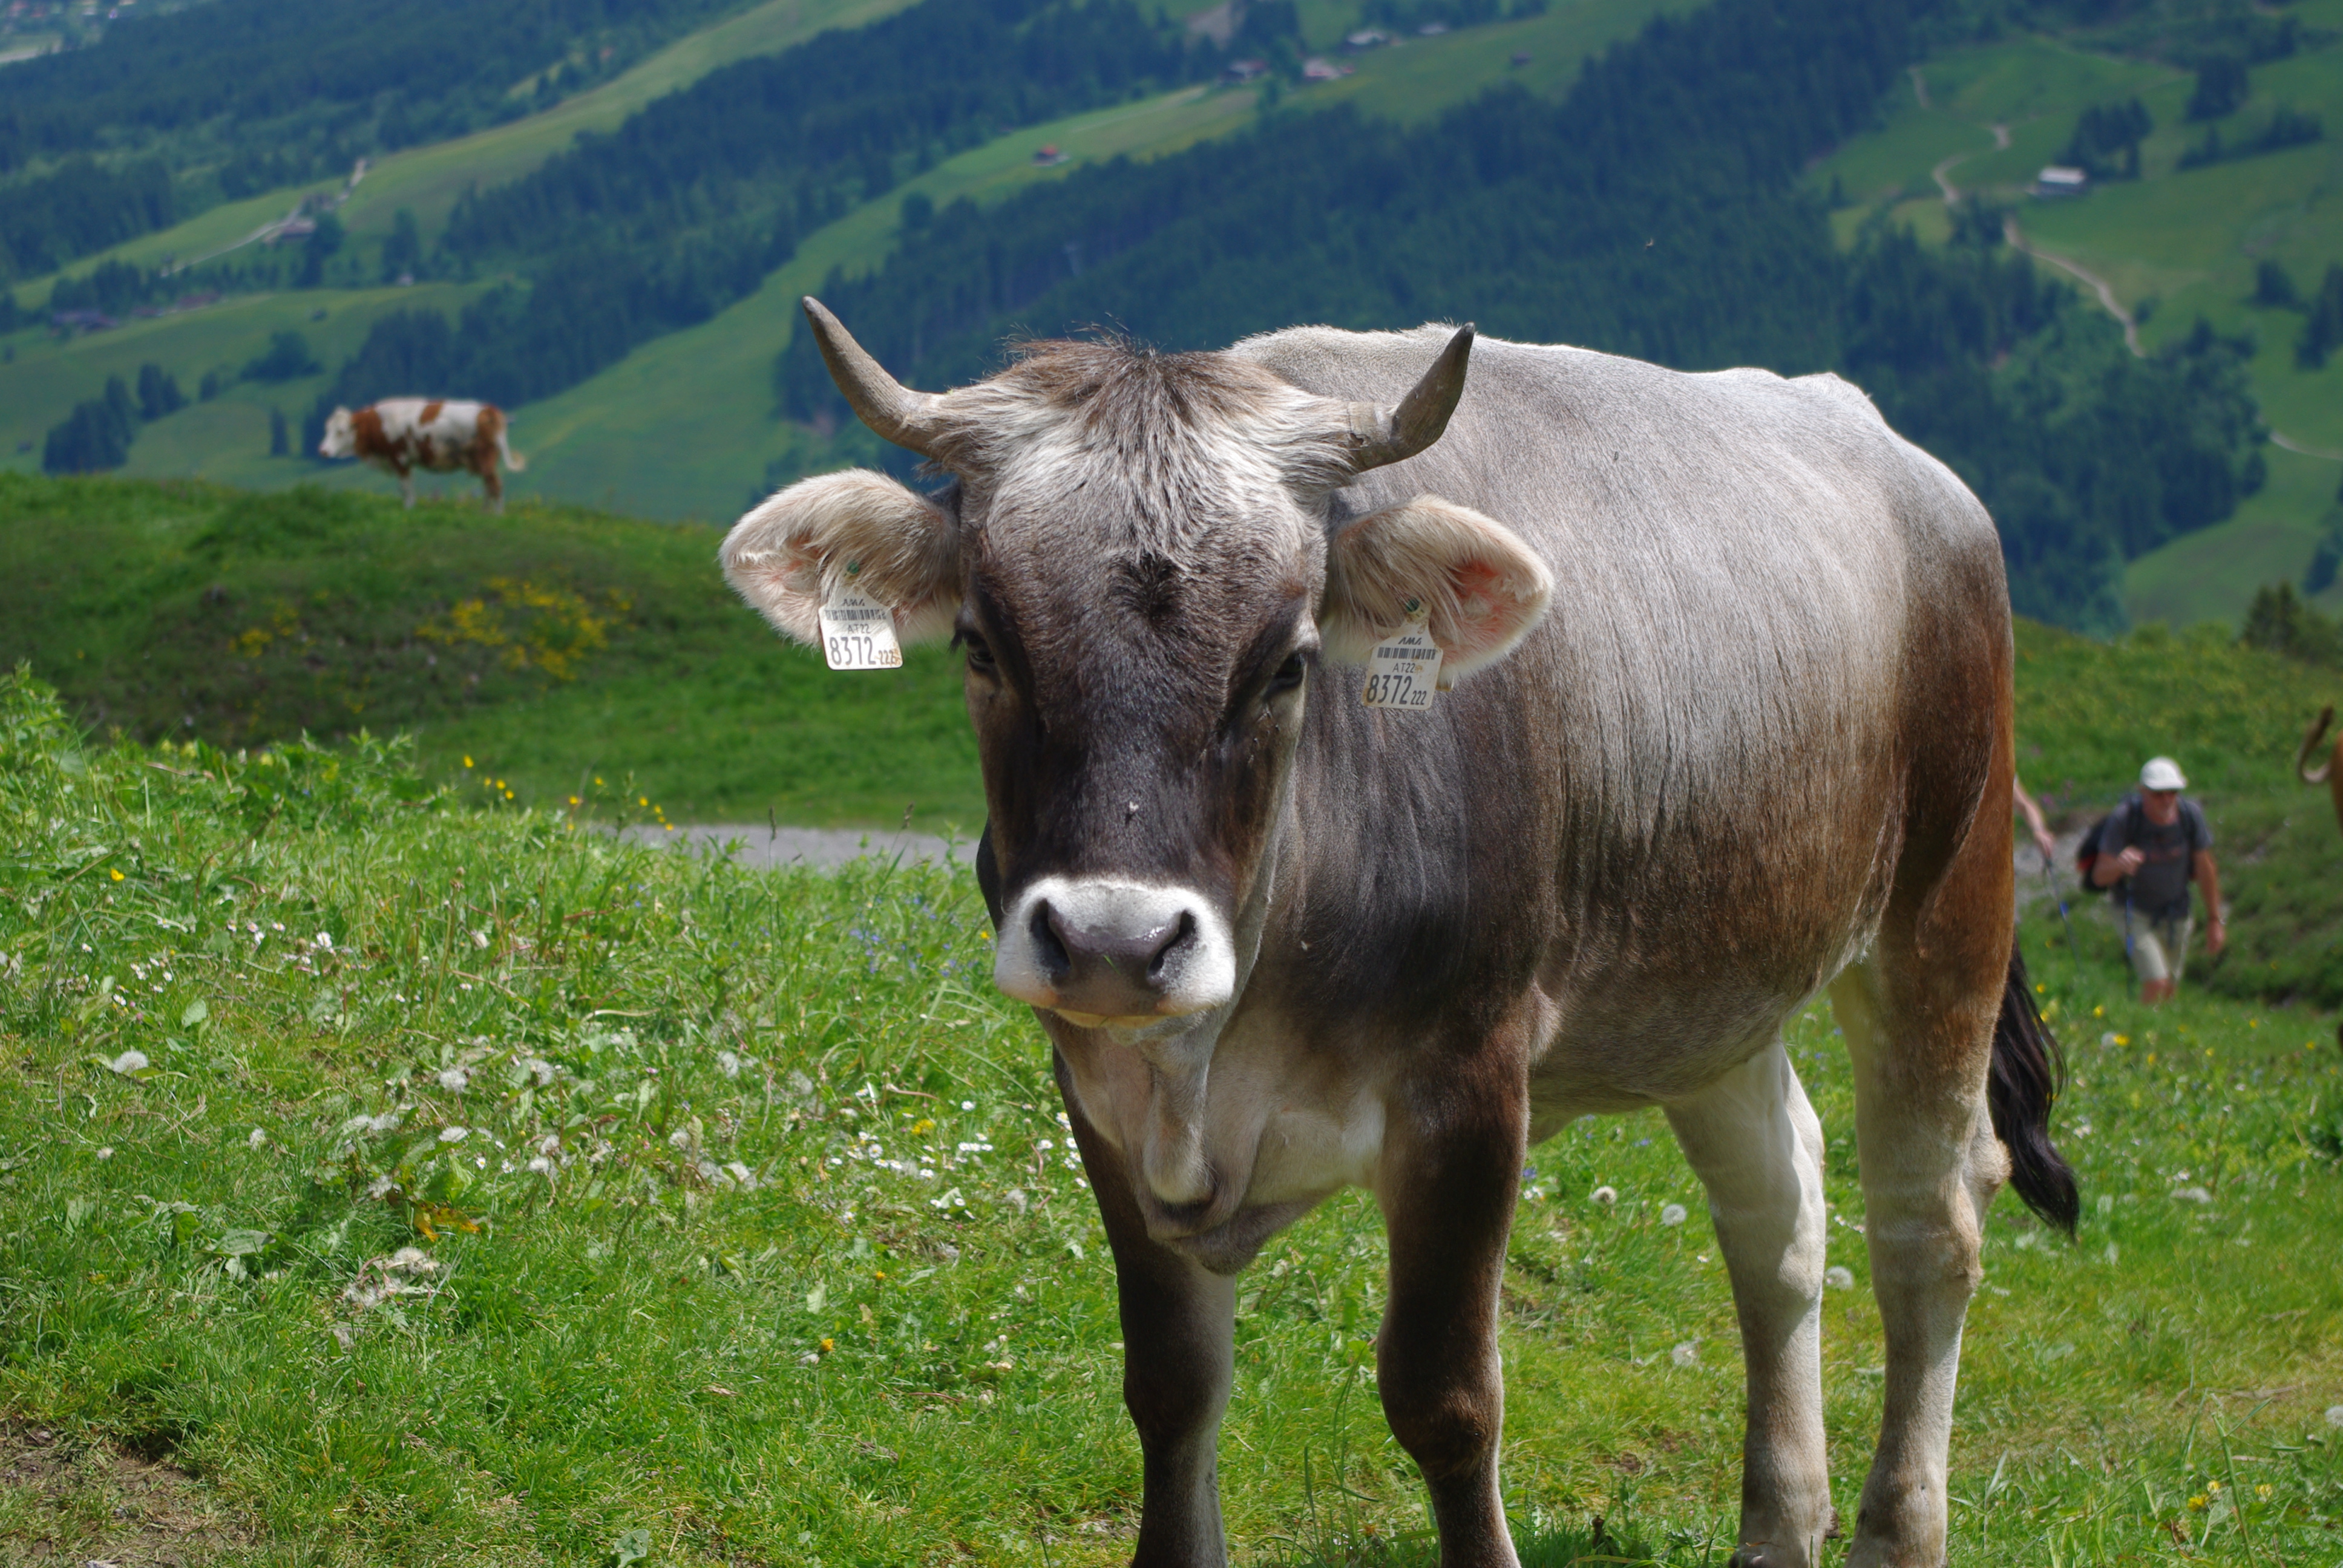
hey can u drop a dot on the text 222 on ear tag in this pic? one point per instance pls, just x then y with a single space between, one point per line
1404 670
858 632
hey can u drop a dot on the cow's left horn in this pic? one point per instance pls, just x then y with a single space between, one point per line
1381 434
905 418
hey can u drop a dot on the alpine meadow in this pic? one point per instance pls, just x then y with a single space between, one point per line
417 1148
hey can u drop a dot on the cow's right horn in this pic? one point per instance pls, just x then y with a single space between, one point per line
905 418
1382 434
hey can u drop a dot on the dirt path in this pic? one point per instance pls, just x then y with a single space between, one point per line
1946 167
2099 286
825 849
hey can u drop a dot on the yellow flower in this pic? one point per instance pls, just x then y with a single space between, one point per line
878 1273
573 799
468 762
829 1345
922 1125
2123 1040
2214 1487
2196 1502
2098 1012
598 779
642 799
2263 1491
116 875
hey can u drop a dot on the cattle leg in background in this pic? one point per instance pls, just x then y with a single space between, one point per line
1757 1146
2329 772
1179 1336
1451 1171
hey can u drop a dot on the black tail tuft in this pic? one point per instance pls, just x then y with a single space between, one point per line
2028 1070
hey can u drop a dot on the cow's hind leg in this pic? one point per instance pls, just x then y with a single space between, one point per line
1179 1324
1757 1147
1920 1032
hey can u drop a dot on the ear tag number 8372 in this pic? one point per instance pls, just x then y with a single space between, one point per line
1404 670
858 632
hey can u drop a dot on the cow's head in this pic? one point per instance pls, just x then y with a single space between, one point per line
341 438
1138 558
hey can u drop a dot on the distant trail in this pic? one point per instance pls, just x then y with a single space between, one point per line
2016 238
1946 167
2293 445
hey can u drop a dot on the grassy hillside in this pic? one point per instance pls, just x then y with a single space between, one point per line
2172 245
598 645
402 1184
684 427
551 648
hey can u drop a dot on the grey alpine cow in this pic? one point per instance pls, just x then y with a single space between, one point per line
1733 726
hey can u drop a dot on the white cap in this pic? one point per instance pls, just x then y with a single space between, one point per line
2162 773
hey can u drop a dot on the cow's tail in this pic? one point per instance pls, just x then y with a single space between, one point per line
512 459
2028 1070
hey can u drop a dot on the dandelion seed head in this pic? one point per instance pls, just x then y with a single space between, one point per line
454 1134
1672 1214
1686 1355
1839 1277
1606 1196
257 1139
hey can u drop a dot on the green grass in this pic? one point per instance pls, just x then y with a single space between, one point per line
2174 245
838 1360
594 646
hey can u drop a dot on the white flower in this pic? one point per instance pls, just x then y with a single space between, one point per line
1839 1277
479 939
679 1138
968 1105
728 1064
1686 1355
541 1165
1606 1196
951 1200
1043 1144
105 1153
1673 1214
2335 1415
326 941
454 1134
258 1138
2191 1195
455 1079
128 1062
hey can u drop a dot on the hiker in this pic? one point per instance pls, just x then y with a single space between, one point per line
2150 848
2027 808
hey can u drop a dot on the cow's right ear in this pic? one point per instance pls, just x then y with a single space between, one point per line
901 549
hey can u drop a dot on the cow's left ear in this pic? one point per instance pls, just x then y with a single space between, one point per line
900 549
1480 586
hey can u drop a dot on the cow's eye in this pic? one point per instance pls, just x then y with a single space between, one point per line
1288 676
980 653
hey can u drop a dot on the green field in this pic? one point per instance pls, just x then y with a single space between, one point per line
685 426
743 1231
2172 246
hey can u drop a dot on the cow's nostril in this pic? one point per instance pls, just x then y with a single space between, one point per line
1182 931
1049 945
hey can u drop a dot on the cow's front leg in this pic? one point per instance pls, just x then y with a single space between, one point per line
1178 1326
1450 1173
1757 1147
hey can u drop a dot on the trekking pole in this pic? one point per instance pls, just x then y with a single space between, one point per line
2074 957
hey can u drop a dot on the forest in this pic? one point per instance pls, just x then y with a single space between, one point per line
689 204
239 96
1651 213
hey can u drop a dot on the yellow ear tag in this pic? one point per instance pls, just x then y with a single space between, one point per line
858 632
1404 670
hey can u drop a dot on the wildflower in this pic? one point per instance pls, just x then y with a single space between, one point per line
1606 1196
2263 1491
468 762
968 1105
2214 1487
728 1064
828 1346
1673 1214
1839 1277
1043 1144
454 1134
2198 1502
455 1079
107 1152
924 1124
1686 1355
114 873
541 1165
479 1162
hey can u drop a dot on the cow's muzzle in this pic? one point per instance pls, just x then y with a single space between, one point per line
1098 951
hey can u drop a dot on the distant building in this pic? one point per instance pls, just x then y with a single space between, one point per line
1317 70
1049 157
1241 71
1365 38
2058 181
81 321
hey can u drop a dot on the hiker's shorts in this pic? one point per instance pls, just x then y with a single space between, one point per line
2159 944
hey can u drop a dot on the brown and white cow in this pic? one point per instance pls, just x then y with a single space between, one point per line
440 435
1734 727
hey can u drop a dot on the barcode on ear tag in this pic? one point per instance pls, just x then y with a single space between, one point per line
1404 670
858 632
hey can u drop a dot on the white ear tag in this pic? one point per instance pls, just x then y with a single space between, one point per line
858 632
1404 670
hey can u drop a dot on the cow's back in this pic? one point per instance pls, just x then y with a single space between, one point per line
1694 783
